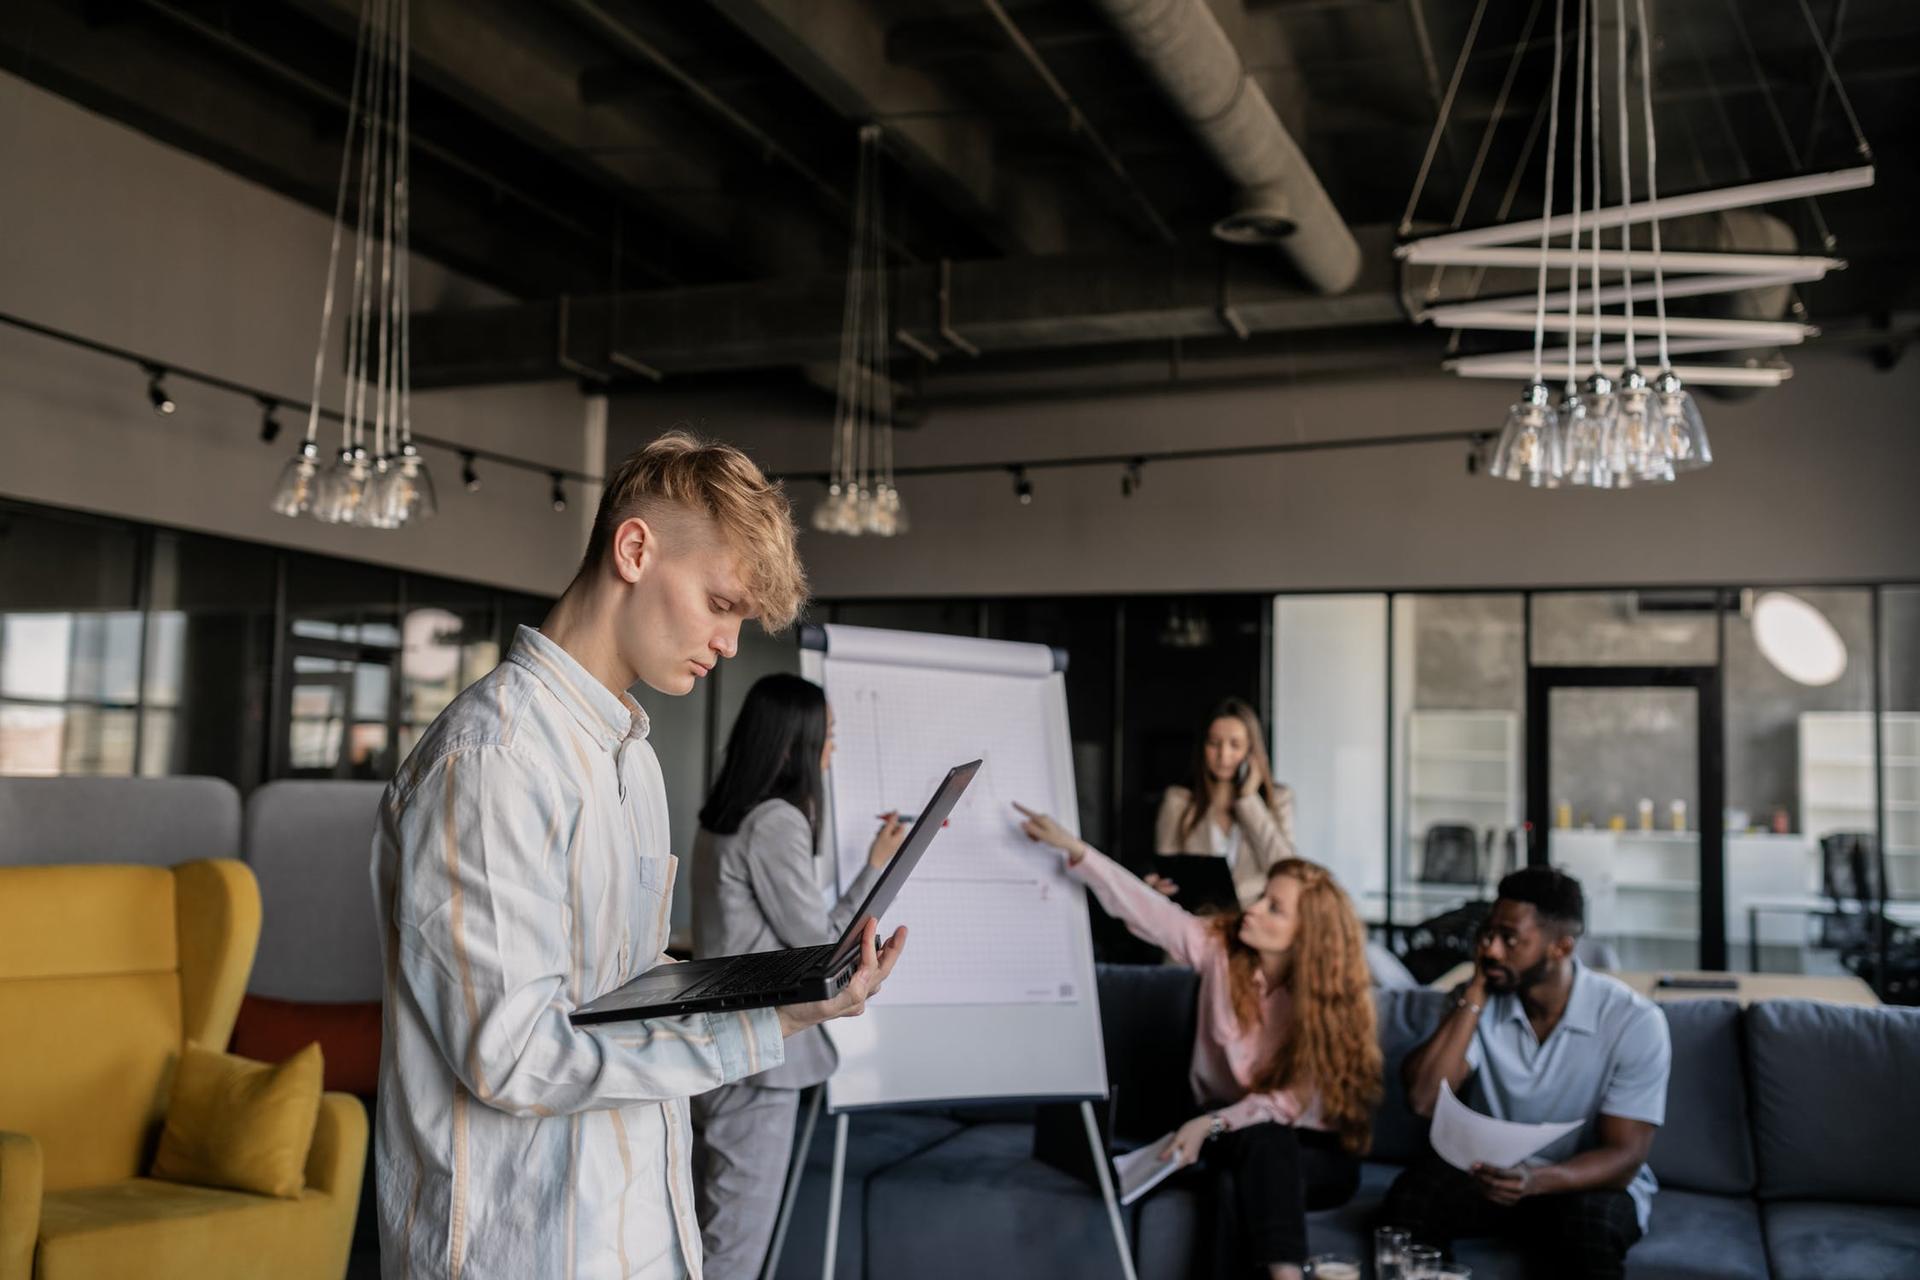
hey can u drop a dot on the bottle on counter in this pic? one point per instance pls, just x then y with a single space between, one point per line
1679 815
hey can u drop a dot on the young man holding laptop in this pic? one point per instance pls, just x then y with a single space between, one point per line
522 869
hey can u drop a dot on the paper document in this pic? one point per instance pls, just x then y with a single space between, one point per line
1463 1137
1143 1170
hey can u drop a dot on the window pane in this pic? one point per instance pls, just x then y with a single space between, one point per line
1799 739
343 623
1622 764
1460 695
209 658
31 739
98 741
1625 628
1330 736
1900 743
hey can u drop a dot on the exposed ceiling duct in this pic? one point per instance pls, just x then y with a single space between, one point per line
1279 200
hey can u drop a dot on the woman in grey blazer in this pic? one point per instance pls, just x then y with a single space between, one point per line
757 887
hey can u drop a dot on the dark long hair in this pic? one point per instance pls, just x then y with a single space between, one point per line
1230 709
773 754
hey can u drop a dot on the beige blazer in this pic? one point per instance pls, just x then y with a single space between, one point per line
1266 835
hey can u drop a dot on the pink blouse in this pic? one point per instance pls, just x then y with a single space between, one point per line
1225 1055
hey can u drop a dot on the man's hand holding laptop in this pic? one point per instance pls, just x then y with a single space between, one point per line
876 962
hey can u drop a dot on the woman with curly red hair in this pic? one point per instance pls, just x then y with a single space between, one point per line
1286 1069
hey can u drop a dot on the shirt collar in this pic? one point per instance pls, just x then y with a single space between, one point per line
1583 1004
610 717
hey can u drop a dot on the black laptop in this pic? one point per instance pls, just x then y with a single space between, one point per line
794 976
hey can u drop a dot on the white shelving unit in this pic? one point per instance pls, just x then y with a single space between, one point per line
1462 767
1836 786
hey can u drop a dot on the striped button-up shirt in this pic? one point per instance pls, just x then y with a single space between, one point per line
520 869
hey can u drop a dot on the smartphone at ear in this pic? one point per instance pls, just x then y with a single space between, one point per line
1240 774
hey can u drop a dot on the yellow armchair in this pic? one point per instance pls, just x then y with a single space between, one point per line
105 973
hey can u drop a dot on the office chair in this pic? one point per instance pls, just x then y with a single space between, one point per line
1450 855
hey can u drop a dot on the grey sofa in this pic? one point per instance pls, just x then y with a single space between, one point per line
1791 1150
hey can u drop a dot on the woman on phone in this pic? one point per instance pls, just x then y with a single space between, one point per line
1286 1070
1232 808
756 888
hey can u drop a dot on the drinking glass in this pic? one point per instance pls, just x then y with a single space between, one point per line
1331 1266
1454 1271
1419 1262
1389 1244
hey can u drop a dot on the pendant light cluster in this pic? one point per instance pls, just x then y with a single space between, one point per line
1601 435
861 497
378 478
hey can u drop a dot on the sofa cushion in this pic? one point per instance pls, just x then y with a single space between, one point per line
167 1231
307 843
1704 1144
1405 1018
233 1122
156 822
1148 1013
1692 1236
268 1030
1835 1112
1808 1240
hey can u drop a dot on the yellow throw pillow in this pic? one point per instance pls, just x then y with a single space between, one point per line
233 1122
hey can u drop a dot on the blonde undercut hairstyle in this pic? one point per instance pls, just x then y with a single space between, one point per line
678 473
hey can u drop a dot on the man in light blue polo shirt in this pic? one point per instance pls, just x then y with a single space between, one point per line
1543 1039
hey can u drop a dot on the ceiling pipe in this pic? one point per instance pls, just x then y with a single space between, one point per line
1279 200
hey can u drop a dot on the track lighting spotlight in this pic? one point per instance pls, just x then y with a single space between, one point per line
269 424
1130 478
1022 487
157 391
559 493
468 475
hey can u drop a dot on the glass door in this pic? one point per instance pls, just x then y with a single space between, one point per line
1625 792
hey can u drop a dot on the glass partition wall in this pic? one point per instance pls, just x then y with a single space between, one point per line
1705 759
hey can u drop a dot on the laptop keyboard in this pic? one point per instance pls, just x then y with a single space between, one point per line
767 971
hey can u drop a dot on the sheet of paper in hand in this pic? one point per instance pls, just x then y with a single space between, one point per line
1463 1137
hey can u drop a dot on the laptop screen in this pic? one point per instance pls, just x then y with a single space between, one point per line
901 865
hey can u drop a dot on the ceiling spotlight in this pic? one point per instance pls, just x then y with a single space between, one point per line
157 392
269 425
1130 478
1476 454
469 476
559 493
1022 487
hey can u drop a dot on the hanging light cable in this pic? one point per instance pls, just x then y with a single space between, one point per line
1596 393
1680 433
1632 455
1577 430
1530 447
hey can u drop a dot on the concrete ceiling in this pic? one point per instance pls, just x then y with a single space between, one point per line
695 159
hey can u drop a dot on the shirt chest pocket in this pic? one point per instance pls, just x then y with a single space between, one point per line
649 912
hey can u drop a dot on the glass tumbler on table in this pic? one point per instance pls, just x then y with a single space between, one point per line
1419 1262
1331 1266
1389 1243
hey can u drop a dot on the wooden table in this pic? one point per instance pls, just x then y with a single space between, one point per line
1835 989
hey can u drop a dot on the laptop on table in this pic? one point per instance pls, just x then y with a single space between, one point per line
794 976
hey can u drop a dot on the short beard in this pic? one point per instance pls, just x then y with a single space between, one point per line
1532 977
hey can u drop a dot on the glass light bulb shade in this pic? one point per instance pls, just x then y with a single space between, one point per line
1585 465
1530 448
414 498
1597 394
376 499
299 483
1632 440
1680 423
898 507
342 488
826 512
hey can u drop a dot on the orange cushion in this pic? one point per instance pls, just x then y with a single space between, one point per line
272 1030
